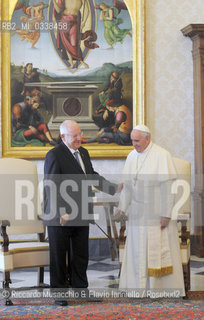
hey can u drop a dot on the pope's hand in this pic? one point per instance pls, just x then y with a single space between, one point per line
119 188
119 212
164 222
119 215
64 219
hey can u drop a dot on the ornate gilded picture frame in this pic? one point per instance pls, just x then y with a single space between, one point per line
83 62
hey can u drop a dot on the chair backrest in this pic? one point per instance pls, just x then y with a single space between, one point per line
182 166
19 196
182 200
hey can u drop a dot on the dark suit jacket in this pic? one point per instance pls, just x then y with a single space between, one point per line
67 189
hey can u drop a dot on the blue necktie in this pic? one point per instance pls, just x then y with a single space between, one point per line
77 157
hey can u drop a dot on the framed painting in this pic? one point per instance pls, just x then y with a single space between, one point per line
71 59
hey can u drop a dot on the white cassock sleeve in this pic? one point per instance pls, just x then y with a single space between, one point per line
125 198
167 199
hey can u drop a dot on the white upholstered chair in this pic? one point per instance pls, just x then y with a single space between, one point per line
19 215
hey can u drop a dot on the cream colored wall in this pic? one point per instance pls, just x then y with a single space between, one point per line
169 73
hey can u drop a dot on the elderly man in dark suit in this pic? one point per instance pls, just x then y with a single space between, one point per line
68 210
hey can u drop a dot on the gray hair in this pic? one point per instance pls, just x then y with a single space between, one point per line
146 134
65 125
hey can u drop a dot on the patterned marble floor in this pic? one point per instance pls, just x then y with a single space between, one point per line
197 273
103 273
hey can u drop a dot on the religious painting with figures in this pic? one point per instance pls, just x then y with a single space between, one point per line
71 59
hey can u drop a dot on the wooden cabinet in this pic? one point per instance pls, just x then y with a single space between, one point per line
196 33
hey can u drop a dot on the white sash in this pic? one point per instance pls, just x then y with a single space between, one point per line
159 256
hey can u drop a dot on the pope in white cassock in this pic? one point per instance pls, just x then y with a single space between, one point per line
151 262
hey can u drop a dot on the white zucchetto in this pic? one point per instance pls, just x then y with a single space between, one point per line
142 127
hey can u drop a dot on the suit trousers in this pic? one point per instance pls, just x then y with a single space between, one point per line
61 238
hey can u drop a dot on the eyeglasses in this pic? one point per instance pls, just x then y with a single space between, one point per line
79 135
